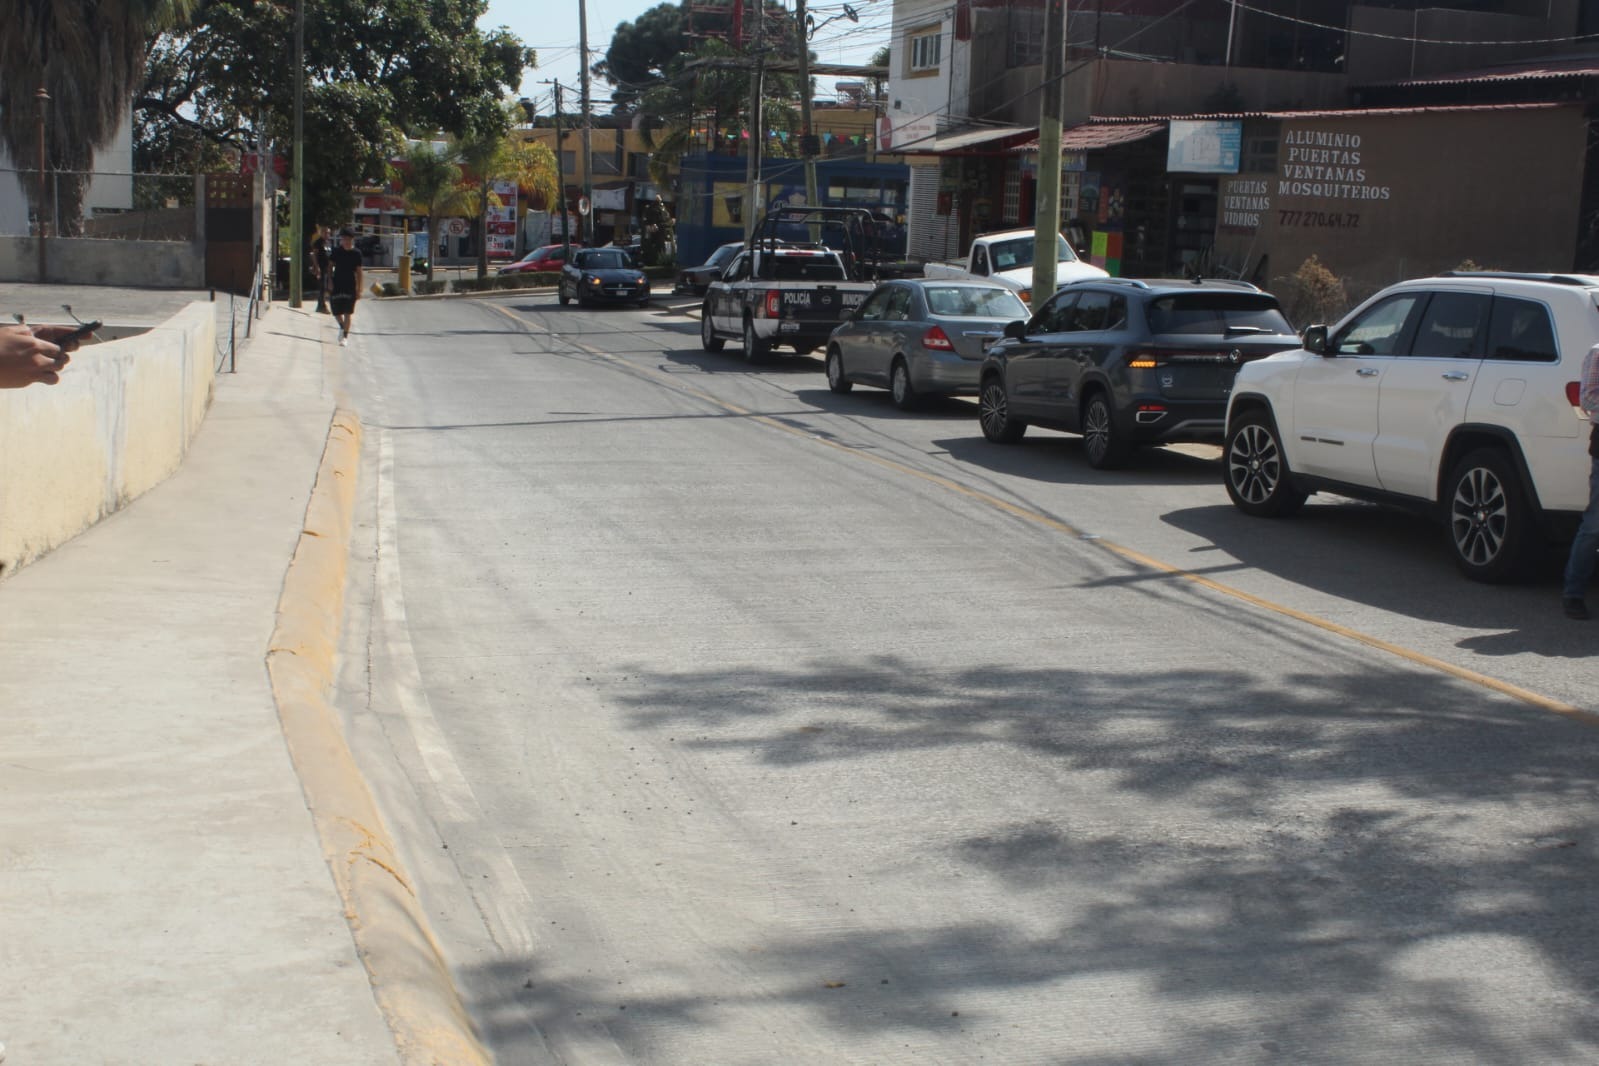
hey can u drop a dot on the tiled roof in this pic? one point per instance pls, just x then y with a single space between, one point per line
1574 67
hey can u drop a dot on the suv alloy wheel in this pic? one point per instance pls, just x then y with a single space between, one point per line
1489 518
1258 478
993 413
1102 441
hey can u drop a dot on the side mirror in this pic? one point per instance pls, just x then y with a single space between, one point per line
1016 330
1315 339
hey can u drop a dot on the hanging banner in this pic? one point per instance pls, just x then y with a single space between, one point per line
501 220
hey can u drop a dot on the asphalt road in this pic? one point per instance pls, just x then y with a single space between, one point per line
726 720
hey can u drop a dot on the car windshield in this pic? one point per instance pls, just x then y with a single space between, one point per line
1220 313
806 268
969 301
606 261
1009 255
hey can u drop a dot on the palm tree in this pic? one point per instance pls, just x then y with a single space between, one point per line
89 57
430 184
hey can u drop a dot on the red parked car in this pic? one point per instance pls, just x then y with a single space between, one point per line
548 259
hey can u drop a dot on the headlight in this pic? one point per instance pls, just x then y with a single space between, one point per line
592 280
641 280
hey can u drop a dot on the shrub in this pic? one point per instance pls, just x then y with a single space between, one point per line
473 284
1471 265
1313 294
659 272
390 289
429 288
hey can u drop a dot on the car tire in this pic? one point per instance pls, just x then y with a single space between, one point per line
1103 444
900 387
560 295
1490 519
1255 468
755 349
708 338
836 381
993 412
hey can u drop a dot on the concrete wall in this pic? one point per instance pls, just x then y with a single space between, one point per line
118 424
86 261
1380 198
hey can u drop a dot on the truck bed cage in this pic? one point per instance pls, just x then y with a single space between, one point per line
856 226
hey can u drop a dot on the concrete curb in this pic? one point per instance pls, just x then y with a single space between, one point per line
410 979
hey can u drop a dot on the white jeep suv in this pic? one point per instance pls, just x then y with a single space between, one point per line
1454 395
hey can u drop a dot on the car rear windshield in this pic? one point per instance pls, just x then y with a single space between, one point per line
806 268
1217 312
968 301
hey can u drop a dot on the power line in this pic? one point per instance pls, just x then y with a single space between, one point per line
1413 40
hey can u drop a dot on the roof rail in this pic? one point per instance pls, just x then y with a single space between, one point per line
1113 281
1511 275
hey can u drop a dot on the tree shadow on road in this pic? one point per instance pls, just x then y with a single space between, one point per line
1345 865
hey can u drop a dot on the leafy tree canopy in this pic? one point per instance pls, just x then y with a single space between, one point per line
373 68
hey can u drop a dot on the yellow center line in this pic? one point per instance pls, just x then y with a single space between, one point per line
1131 555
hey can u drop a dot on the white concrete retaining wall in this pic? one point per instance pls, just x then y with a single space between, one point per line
118 424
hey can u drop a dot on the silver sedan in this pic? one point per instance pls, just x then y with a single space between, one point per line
920 337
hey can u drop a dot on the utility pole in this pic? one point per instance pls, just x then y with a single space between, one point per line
43 96
805 102
560 178
1046 218
297 191
588 124
757 131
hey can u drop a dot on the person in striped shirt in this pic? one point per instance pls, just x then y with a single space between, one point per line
1579 568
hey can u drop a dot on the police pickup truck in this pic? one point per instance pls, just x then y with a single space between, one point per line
781 291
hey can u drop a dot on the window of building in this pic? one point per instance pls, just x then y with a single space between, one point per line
1260 154
927 49
1012 205
1026 36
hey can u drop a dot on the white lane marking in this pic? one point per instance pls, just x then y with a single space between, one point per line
506 905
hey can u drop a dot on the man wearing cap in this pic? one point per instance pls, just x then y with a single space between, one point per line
345 265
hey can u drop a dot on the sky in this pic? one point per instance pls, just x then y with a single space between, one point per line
551 28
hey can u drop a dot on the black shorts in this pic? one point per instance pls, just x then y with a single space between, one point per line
341 303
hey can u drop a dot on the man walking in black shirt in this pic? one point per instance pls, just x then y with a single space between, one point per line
345 265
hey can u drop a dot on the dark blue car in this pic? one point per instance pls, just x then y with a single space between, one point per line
603 276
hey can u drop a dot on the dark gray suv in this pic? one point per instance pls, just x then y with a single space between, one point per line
1127 363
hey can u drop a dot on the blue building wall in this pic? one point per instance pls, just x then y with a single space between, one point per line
710 192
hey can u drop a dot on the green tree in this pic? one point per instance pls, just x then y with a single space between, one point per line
89 56
642 52
430 184
372 67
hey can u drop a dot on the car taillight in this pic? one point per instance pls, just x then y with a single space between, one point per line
1574 394
936 338
774 303
1145 359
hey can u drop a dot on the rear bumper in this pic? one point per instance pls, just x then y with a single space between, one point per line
1177 422
944 373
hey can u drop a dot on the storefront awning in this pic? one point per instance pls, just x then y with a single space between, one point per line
1097 135
990 140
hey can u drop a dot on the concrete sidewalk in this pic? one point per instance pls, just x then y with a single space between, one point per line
163 897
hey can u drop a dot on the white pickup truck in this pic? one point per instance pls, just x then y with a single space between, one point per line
1007 258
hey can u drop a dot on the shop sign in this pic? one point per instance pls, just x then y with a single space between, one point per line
1208 146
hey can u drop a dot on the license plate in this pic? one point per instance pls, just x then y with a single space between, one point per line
788 327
